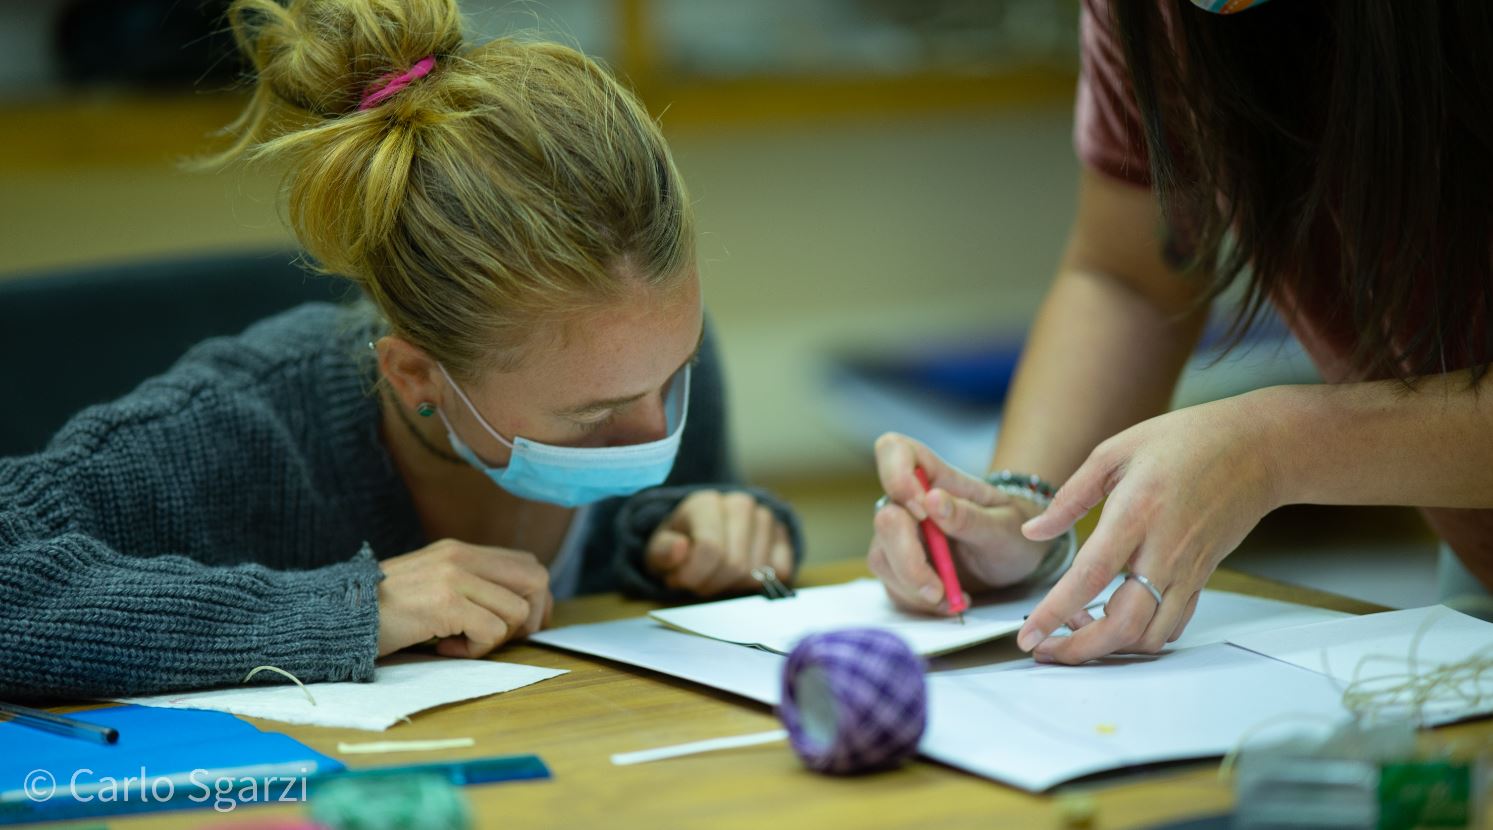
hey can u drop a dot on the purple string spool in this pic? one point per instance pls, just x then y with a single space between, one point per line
853 701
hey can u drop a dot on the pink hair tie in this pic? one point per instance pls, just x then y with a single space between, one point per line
394 83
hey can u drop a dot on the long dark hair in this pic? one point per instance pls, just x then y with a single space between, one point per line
1360 126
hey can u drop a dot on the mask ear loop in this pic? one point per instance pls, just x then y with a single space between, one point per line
688 372
468 401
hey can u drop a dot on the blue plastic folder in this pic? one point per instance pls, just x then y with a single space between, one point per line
166 759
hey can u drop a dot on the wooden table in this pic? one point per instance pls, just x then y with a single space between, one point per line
576 721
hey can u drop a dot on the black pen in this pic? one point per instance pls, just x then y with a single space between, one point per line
58 725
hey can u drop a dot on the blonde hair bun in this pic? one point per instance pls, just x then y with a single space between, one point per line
324 56
517 179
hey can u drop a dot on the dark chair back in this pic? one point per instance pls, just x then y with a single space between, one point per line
86 336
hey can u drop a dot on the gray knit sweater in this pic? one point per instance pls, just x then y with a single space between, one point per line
230 514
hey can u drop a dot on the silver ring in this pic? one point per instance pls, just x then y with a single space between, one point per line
1148 584
882 502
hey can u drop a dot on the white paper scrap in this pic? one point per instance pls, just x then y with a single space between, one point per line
643 756
383 747
401 686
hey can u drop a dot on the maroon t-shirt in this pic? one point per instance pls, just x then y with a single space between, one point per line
1110 139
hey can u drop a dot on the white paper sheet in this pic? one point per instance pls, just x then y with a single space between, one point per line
401 687
1378 646
751 673
1037 727
1034 726
1220 616
778 624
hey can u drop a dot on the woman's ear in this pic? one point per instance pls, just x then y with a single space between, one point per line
411 373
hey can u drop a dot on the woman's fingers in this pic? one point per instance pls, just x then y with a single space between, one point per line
701 559
519 572
734 550
897 458
1192 605
512 609
666 551
1081 493
458 647
714 540
481 630
909 576
1128 613
896 591
781 557
504 596
704 523
1101 558
967 521
472 598
1175 601
738 520
759 548
1079 620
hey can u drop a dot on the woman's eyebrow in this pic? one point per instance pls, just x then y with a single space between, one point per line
599 406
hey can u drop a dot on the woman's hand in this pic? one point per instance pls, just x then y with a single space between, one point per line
1183 491
713 540
982 523
472 598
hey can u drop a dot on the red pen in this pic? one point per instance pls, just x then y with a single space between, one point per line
943 561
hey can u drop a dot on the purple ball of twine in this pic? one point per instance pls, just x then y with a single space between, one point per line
854 701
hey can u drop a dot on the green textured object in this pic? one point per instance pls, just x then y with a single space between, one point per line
403 802
1426 794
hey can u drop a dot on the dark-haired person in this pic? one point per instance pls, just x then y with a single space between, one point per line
486 434
1337 159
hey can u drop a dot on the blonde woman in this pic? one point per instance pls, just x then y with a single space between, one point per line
490 431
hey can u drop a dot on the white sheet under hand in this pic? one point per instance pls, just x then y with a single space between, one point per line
401 687
777 625
1037 727
1221 617
650 645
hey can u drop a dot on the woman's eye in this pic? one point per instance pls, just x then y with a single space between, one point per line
588 427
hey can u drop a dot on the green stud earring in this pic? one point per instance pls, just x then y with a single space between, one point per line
425 409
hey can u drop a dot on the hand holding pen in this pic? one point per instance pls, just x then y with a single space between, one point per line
982 526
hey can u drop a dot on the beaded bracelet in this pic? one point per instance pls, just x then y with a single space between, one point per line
1033 489
1029 487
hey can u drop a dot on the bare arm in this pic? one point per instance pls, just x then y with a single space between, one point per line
1380 443
1109 341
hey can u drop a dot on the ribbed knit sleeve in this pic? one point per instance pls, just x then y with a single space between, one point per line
82 620
194 530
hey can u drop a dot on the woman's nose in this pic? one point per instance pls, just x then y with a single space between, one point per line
643 422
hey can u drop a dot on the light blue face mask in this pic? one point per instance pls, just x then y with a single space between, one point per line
573 476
